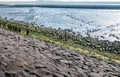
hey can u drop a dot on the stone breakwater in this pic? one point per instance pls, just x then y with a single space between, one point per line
22 56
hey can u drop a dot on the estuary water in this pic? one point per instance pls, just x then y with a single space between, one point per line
99 23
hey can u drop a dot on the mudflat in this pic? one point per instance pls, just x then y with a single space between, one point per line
23 56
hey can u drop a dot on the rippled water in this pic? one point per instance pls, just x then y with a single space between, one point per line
99 22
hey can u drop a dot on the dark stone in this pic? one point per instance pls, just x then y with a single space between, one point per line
39 66
11 74
55 75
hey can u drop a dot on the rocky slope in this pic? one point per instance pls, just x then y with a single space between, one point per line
22 56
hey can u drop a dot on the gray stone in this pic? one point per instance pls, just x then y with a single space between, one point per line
2 74
92 74
57 58
66 61
4 64
40 66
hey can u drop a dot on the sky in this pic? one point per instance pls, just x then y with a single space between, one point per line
86 0
60 0
52 1
18 0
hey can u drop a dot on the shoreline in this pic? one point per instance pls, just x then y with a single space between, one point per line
102 49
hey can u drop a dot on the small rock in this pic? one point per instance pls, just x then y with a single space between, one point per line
74 54
108 70
40 66
5 48
77 58
4 64
44 47
80 72
85 67
2 74
57 58
92 74
11 74
55 75
23 64
66 62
